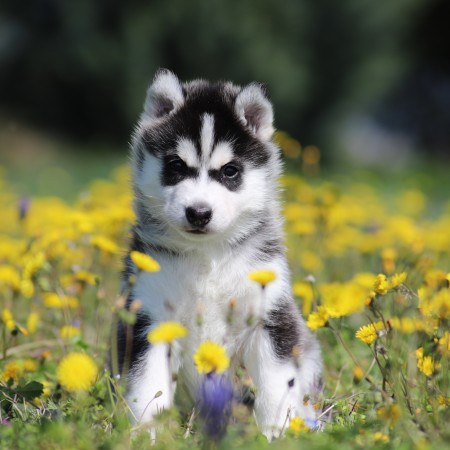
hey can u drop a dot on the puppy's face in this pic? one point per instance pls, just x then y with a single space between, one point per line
202 156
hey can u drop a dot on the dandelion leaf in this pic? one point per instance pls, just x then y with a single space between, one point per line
31 390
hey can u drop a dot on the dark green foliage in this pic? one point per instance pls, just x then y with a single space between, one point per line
83 67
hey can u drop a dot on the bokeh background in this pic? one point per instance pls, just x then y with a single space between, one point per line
365 82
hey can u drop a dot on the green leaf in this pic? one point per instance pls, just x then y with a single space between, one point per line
31 390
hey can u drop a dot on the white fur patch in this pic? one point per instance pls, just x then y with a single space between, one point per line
222 154
151 391
187 152
207 135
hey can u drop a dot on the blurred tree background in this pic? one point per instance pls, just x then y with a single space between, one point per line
350 71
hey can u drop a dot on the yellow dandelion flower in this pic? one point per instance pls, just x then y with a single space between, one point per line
369 333
419 353
22 330
30 365
263 277
8 319
27 288
211 357
409 325
77 372
380 437
390 413
47 388
53 300
105 244
9 277
396 280
310 261
167 332
144 262
444 344
343 299
318 319
304 290
32 264
298 425
435 278
68 331
388 257
381 285
86 277
13 370
33 322
426 364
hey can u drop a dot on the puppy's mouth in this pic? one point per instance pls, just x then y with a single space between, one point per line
196 231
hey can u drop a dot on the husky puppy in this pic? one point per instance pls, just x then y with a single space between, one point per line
206 198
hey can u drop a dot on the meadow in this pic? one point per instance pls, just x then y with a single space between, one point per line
371 272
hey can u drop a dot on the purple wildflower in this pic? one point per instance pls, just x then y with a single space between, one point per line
214 403
312 424
24 206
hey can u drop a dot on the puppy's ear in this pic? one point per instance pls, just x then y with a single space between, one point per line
164 96
255 111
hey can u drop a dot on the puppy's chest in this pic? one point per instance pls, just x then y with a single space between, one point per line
198 292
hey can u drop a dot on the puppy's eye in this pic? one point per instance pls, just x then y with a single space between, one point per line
176 164
230 171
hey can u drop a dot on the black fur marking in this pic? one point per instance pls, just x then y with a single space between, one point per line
146 247
283 329
231 183
145 217
172 173
128 269
132 341
158 140
270 249
137 243
140 158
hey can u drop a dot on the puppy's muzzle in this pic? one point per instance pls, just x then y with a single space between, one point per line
198 215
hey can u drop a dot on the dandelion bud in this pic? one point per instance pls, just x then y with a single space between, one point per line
310 278
120 302
135 306
358 374
231 308
199 315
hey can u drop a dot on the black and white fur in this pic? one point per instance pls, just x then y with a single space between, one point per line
205 177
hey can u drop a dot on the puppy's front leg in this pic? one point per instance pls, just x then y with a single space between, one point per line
151 386
284 362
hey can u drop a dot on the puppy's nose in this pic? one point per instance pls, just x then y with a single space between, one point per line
198 215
